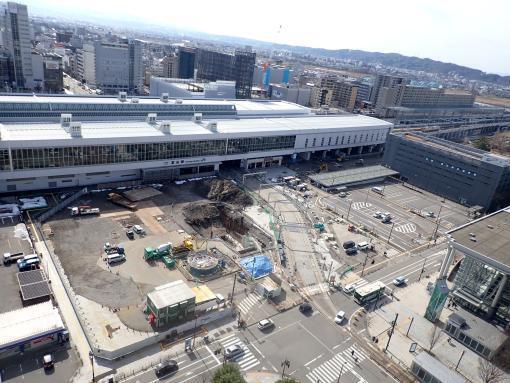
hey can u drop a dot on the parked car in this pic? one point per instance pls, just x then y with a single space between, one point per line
377 214
233 351
130 234
386 219
138 229
363 246
166 367
430 214
351 251
348 244
339 317
305 307
48 362
399 281
265 324
342 194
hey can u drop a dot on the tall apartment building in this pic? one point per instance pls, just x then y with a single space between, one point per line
187 62
112 67
170 66
384 81
364 91
15 39
238 67
320 97
48 72
343 94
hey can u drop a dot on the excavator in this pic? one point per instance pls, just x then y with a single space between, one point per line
323 167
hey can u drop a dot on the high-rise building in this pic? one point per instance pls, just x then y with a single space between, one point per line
187 62
170 66
238 67
15 38
112 67
384 81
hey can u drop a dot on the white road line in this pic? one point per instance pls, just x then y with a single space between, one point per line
413 264
212 354
314 359
256 349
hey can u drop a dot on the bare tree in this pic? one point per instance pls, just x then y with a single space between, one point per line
434 337
488 372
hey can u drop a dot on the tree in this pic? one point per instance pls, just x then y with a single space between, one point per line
287 380
488 372
434 337
482 143
228 373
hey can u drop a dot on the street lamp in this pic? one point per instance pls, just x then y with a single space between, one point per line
340 375
91 357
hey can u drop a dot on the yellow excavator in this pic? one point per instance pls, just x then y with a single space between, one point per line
323 168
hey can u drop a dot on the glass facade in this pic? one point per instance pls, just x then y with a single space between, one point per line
39 158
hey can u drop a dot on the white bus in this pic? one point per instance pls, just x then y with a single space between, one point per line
369 292
115 258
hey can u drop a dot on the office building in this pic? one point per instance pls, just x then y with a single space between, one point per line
272 74
48 72
291 93
189 88
344 95
72 153
320 97
187 62
460 173
364 92
86 63
170 66
481 283
384 81
236 67
15 39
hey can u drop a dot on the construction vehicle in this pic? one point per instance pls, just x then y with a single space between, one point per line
157 253
121 201
183 249
169 262
85 210
319 226
323 168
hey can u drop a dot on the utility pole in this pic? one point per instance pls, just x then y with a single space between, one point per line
410 324
439 213
329 274
348 211
366 199
391 332
461 355
391 231
233 287
340 375
364 264
422 269
194 331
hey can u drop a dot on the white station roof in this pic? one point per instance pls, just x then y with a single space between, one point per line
184 129
28 323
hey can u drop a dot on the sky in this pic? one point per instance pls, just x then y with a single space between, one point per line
473 33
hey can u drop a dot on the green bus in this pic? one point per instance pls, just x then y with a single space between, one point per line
369 292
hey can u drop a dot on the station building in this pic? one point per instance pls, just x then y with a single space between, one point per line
73 153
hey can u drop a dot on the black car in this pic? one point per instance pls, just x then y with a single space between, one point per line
130 234
349 244
305 307
351 251
166 367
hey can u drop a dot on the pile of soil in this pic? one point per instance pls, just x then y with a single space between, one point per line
229 192
203 214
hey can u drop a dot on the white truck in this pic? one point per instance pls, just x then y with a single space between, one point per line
85 210
12 257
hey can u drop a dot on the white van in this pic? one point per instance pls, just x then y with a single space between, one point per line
115 258
363 245
377 190
349 289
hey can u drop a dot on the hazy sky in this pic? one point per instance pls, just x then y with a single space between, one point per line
469 32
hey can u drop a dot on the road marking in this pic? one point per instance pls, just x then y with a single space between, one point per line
314 359
362 331
313 336
247 303
246 360
406 228
256 349
361 205
213 355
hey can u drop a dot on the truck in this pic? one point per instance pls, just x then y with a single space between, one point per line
157 253
85 210
12 257
121 201
29 264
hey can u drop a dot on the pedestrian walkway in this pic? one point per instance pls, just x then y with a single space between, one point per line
316 289
247 303
245 361
341 363
406 228
361 205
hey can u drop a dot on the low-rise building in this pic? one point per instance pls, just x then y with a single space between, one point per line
191 89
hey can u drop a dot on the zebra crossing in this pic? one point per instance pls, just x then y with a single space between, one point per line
361 205
246 360
406 228
247 303
345 361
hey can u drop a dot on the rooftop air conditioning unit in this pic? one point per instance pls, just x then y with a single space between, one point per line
212 126
197 117
135 100
65 119
165 127
178 101
151 118
164 97
75 129
122 96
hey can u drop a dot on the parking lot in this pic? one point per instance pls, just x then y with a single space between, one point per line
11 243
416 216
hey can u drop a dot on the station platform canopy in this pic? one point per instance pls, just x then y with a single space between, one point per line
257 266
354 176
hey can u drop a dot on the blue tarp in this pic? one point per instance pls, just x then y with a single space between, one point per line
257 266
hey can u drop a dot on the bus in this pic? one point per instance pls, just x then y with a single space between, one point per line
369 292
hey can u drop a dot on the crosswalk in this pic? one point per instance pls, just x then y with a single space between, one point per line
345 361
246 360
406 228
247 303
316 289
361 205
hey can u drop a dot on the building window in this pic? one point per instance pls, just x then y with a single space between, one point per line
306 143
336 141
342 140
314 141
322 141
329 141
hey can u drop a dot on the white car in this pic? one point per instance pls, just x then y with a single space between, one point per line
339 318
342 195
265 324
233 351
398 281
377 214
